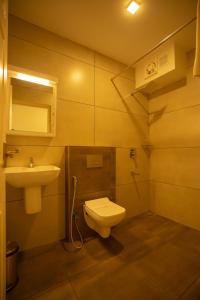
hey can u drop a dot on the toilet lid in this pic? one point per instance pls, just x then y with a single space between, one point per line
104 207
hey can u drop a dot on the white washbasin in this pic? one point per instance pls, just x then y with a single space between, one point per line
31 179
21 177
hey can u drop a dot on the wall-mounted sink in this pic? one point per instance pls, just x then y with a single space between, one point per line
23 176
31 179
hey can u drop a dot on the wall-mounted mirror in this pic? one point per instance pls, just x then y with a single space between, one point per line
32 103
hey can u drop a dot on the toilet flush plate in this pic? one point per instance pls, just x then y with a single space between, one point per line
94 161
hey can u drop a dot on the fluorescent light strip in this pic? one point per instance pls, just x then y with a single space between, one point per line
133 7
33 79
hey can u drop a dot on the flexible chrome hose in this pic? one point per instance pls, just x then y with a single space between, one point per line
75 181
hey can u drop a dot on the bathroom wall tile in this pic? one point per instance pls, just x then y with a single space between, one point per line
112 65
46 39
175 163
27 140
114 128
37 229
137 104
124 166
42 156
177 203
106 95
75 124
36 58
180 128
180 166
75 78
182 97
13 194
133 197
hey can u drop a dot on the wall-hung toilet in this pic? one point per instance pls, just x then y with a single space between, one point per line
102 214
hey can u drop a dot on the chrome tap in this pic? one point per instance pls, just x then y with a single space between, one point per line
10 153
31 163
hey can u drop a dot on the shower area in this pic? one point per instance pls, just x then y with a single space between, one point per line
167 78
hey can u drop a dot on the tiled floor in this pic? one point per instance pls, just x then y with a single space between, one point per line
149 258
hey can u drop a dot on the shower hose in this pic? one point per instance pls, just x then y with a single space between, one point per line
74 216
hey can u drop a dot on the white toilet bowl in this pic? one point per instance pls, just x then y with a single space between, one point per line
102 214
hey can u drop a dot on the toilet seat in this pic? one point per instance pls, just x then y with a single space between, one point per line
103 208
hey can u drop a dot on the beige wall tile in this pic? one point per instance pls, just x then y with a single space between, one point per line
177 203
176 131
75 124
106 95
42 156
38 229
114 128
180 128
30 56
46 39
124 166
28 140
13 194
112 65
178 166
179 98
137 104
75 78
133 197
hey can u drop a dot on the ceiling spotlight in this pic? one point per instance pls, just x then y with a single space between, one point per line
133 7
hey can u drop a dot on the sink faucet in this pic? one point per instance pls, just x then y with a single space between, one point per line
10 153
31 163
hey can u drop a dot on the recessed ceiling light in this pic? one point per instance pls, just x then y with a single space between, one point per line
133 7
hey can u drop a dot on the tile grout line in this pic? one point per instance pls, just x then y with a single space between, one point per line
176 185
63 146
176 110
188 287
102 107
45 196
72 57
73 289
156 148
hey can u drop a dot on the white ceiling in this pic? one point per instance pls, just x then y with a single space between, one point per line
106 26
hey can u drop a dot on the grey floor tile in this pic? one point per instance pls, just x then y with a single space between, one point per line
192 293
115 280
148 258
62 292
170 268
